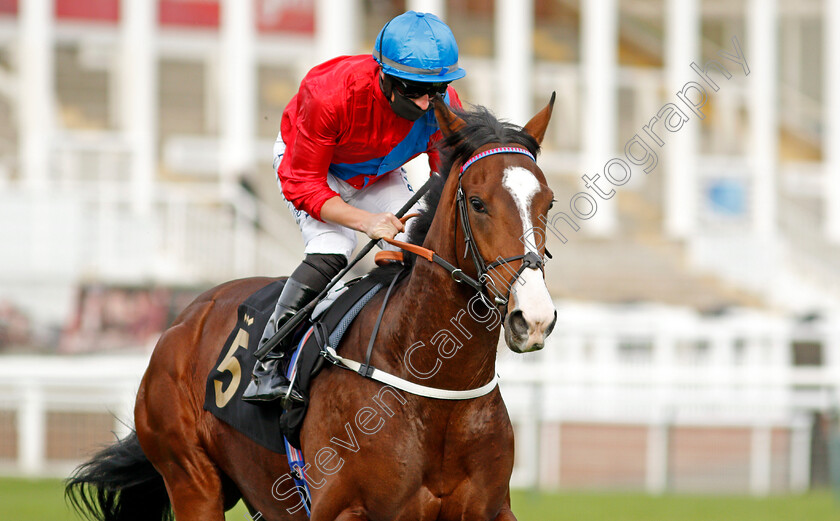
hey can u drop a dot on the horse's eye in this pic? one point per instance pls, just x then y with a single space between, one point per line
477 205
551 205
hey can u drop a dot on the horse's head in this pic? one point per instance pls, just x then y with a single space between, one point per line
502 200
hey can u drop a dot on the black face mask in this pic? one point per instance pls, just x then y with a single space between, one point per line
402 106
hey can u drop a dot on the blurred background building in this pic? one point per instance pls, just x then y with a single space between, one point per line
698 343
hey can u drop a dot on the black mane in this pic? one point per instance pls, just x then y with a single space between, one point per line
482 128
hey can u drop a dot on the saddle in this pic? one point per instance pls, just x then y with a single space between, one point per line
326 331
268 425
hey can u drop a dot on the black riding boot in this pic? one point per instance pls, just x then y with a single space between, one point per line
268 381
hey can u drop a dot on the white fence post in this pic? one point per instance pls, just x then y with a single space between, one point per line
800 454
550 456
760 459
124 414
657 460
528 434
31 429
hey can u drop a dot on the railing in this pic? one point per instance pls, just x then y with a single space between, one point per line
656 368
190 235
668 370
35 389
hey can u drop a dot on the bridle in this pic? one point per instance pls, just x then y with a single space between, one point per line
529 260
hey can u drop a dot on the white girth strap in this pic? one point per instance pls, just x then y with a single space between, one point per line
413 388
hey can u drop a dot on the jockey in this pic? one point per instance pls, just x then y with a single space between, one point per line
343 140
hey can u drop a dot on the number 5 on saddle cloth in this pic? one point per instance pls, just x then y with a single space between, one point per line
268 425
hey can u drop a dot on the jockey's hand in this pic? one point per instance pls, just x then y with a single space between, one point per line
379 225
374 225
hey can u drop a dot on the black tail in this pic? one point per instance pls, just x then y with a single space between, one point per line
119 484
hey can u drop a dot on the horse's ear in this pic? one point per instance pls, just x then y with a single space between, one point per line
536 127
448 122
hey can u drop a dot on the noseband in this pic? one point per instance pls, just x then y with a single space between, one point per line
529 259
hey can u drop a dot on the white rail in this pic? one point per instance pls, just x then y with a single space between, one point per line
192 235
666 368
31 387
656 367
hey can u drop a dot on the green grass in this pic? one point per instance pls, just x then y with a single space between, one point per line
42 500
24 500
532 506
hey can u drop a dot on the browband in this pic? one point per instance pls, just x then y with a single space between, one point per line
492 151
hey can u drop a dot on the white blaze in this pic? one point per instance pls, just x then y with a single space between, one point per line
522 186
530 291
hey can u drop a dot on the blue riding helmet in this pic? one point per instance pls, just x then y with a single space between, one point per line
418 47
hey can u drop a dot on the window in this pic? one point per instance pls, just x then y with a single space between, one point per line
635 351
807 353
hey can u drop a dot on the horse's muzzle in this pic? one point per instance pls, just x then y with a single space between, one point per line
523 336
531 314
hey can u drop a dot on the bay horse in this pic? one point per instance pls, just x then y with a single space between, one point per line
373 453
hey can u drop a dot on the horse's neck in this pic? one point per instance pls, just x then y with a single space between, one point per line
435 310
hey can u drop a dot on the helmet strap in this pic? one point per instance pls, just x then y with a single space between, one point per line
402 106
386 85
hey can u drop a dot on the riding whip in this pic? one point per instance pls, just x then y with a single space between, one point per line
306 311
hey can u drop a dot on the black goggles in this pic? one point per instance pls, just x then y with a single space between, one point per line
414 90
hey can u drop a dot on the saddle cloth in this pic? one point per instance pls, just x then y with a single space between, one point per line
267 423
